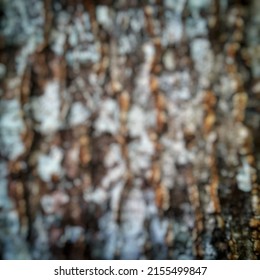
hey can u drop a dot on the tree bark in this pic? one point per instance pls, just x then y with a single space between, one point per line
129 129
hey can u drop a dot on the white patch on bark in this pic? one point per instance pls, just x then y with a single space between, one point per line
49 165
108 120
46 109
103 15
204 61
136 121
133 216
142 89
196 5
11 127
196 26
73 233
173 30
58 42
116 167
140 153
244 177
4 197
169 60
78 114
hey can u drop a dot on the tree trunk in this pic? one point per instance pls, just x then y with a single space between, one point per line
129 129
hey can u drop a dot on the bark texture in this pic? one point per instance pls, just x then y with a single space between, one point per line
129 129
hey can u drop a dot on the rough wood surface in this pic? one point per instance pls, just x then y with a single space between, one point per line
129 129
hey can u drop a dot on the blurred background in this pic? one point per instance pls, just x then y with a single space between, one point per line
129 129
